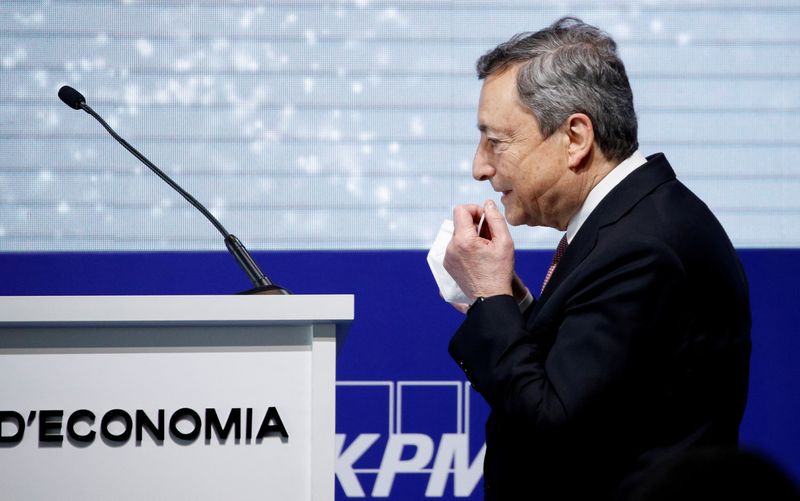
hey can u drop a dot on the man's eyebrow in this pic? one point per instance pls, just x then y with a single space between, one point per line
488 129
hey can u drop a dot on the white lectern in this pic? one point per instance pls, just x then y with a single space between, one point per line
169 397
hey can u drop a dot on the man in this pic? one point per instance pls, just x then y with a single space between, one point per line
638 347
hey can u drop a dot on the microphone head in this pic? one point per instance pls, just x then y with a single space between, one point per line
71 97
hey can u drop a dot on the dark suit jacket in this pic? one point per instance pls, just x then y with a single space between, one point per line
638 348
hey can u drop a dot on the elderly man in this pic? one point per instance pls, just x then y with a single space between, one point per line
638 346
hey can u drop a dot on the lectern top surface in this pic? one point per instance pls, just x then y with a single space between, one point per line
176 309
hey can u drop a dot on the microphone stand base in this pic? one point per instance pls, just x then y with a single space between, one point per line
271 290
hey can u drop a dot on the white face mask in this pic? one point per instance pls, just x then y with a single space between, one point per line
448 287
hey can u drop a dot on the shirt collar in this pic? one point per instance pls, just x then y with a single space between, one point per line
602 189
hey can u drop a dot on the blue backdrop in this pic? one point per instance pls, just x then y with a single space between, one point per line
407 424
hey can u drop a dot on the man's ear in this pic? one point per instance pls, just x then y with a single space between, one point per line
580 134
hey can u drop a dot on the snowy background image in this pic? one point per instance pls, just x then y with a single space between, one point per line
351 124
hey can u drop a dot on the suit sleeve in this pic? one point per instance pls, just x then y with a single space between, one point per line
557 372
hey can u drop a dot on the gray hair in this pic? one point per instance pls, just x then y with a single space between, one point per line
571 67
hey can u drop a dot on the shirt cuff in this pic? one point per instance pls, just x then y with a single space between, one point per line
526 302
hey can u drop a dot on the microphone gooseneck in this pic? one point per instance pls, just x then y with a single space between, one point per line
261 284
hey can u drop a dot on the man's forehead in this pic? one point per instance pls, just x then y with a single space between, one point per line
500 109
499 85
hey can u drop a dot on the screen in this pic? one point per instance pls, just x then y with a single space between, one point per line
352 124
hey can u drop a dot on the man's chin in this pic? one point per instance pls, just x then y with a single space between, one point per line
513 219
520 220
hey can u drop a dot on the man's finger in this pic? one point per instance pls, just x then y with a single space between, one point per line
498 227
464 219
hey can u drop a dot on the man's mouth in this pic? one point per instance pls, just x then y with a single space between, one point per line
503 193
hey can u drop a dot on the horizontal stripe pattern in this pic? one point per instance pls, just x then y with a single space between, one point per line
348 125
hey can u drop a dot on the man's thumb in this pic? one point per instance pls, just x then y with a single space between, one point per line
495 220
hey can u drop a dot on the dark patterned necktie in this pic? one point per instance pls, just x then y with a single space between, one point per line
562 247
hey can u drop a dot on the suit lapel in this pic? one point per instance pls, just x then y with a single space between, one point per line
637 185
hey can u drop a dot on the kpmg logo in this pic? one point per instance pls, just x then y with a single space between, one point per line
407 439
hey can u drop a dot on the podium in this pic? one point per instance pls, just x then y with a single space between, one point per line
169 397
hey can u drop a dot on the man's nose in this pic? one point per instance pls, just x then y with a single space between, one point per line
482 169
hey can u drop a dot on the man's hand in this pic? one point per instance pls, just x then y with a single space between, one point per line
482 267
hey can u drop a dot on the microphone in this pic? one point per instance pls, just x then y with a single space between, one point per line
261 284
71 97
